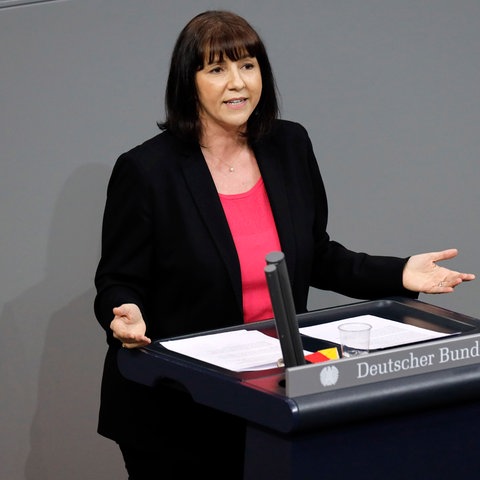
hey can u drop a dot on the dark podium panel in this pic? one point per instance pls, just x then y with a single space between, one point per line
419 426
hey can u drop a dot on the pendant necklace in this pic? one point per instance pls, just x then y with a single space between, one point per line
231 168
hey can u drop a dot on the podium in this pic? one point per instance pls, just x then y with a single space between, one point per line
419 422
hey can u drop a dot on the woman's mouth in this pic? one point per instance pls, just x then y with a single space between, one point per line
236 101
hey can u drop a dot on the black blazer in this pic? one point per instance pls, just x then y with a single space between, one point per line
166 245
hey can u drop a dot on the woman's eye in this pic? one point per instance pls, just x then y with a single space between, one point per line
248 66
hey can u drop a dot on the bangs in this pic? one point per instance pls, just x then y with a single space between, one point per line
231 44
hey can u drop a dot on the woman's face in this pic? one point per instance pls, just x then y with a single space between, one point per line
228 93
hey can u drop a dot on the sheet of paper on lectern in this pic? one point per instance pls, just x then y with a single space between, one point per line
238 350
384 334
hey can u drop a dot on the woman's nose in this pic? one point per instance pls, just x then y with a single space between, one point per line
235 80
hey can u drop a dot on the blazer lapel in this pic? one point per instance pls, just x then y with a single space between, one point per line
204 193
270 162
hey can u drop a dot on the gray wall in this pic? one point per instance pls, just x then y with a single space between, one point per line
389 90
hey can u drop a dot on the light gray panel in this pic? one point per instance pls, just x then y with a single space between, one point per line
388 90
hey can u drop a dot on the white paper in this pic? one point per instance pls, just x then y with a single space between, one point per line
238 350
385 333
242 350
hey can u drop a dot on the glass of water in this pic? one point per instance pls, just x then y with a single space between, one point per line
354 338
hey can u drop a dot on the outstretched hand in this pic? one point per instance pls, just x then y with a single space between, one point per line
129 327
423 274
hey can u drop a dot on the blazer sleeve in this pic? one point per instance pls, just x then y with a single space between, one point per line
120 276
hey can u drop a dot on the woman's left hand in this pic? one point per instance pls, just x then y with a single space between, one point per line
422 274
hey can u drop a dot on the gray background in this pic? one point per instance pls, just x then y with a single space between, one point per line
388 89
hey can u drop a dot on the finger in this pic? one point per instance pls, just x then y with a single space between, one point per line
442 287
135 344
445 254
448 284
120 311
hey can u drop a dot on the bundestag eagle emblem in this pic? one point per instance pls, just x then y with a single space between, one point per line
329 376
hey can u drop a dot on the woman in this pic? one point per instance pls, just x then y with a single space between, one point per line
189 218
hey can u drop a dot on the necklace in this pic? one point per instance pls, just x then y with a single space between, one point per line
230 167
219 161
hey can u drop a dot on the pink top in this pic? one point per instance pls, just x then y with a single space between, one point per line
255 235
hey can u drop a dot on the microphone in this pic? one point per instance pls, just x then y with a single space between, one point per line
284 309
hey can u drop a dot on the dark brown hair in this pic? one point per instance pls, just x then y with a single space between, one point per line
210 36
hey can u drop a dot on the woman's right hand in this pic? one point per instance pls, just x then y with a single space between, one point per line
129 327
